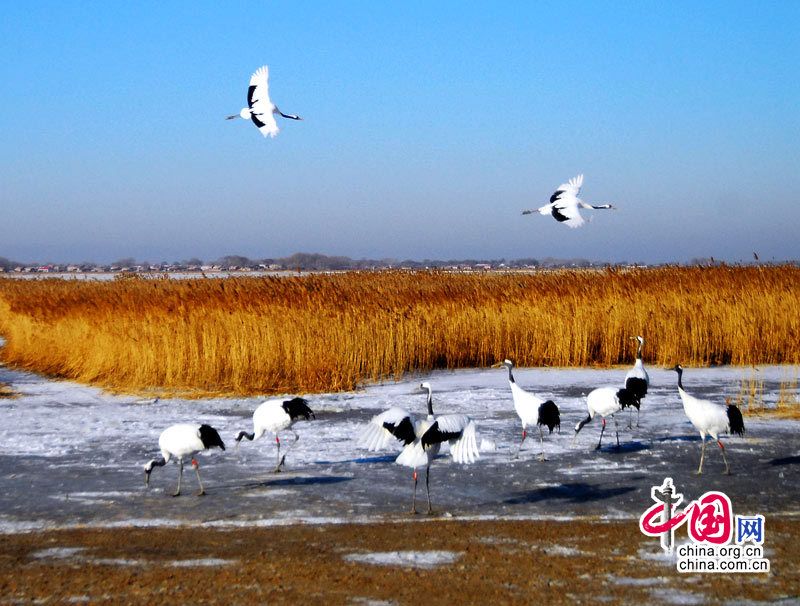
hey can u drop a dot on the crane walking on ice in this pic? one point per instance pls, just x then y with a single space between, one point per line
531 409
274 416
605 401
710 419
422 439
259 108
637 380
565 204
180 441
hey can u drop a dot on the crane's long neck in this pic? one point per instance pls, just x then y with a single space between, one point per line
430 403
244 434
639 351
160 462
680 382
583 204
510 373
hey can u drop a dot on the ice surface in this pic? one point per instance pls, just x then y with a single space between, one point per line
72 455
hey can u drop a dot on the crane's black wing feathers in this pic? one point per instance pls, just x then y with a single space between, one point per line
403 431
210 438
549 415
298 407
434 435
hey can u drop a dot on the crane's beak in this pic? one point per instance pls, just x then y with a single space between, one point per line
497 365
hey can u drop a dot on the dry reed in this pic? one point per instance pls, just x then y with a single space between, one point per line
333 332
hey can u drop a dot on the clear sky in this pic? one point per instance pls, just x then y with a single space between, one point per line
428 128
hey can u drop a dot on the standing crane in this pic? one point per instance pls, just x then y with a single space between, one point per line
637 381
531 409
606 402
183 440
274 416
710 419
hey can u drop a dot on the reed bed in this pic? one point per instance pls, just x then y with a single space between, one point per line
750 397
321 333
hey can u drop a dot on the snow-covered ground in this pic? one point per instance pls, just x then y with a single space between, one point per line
71 454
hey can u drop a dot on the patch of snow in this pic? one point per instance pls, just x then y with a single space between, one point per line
676 596
562 550
201 562
117 562
371 602
59 553
638 582
63 553
405 559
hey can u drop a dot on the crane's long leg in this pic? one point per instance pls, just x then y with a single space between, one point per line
602 429
428 487
702 454
180 477
285 452
541 440
196 466
637 417
630 418
519 450
414 498
278 460
616 429
727 471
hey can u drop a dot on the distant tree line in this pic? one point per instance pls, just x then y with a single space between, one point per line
300 261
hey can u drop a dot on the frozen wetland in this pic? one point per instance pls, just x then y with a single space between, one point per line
72 455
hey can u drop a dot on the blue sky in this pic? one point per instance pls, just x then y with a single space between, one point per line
428 128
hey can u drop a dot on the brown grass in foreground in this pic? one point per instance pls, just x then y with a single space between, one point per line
333 332
498 562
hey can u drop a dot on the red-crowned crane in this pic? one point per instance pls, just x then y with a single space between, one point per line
183 440
274 416
565 204
259 108
637 381
532 410
710 419
605 401
422 439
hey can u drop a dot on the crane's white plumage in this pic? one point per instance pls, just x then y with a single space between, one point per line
637 380
565 204
422 438
710 419
274 416
260 109
606 402
531 409
183 440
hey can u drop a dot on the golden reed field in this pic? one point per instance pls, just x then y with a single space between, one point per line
316 333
